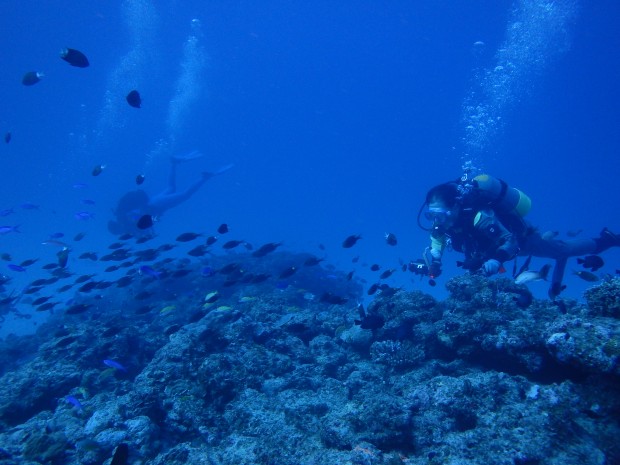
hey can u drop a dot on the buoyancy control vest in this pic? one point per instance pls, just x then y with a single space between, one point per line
508 203
498 195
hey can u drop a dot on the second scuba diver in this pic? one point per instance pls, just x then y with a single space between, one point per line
483 219
136 204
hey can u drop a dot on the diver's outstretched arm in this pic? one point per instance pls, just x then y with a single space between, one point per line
167 200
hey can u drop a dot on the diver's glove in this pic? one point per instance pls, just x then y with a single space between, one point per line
491 267
434 269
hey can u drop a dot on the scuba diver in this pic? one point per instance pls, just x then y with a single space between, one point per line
136 204
483 218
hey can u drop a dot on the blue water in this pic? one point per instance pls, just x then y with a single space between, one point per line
338 118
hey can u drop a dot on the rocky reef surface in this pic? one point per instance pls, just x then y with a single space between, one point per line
265 375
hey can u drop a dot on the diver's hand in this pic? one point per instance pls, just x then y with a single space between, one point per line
434 269
491 267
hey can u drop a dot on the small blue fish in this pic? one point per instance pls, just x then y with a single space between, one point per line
7 212
75 402
114 364
30 206
9 229
145 269
80 185
84 216
88 202
57 235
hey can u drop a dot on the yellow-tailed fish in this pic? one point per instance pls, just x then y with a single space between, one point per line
167 309
211 297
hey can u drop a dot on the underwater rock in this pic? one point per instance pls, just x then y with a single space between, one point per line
140 429
592 346
102 418
332 356
110 438
273 376
356 337
42 447
604 299
34 388
398 354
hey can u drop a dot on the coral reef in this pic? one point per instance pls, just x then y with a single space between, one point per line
604 299
278 376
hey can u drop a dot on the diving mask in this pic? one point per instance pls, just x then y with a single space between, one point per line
437 215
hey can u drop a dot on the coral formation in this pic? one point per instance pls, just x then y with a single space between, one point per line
271 376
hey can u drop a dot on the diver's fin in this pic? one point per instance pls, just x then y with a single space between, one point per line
223 169
606 240
209 174
525 266
187 156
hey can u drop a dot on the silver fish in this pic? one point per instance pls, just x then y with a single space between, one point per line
529 276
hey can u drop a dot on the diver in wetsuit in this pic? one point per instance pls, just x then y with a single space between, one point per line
135 204
483 219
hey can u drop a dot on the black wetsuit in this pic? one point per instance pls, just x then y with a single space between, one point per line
487 234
